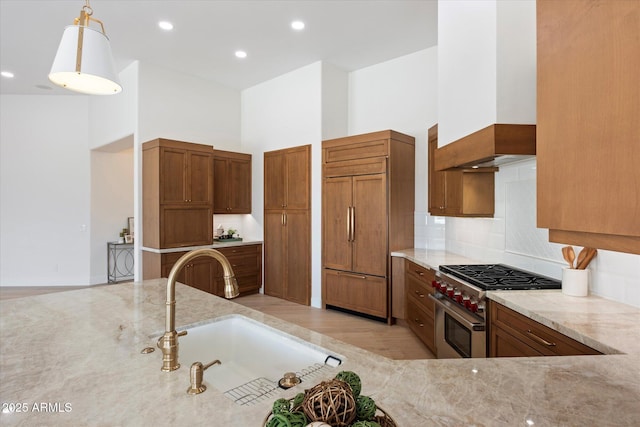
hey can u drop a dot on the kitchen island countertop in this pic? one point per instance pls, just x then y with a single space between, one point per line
74 358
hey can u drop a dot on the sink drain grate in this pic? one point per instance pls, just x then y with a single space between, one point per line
262 388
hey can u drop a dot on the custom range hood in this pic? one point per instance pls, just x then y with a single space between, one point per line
495 145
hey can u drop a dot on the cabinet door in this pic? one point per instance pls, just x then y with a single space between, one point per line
185 226
200 273
200 178
588 179
437 200
297 260
232 186
336 204
370 224
220 186
297 180
274 180
239 186
274 248
173 170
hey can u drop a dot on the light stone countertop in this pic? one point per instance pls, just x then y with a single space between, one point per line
78 352
215 245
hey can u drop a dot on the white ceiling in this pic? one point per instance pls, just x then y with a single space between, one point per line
350 34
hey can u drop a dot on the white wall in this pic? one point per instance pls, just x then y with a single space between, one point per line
486 65
114 118
44 190
111 204
401 94
187 108
281 113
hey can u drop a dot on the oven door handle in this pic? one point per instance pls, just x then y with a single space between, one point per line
453 311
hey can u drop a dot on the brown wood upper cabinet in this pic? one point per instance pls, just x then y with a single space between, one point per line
368 197
288 174
177 191
231 182
461 192
588 179
287 219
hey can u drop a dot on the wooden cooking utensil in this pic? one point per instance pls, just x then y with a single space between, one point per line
569 255
591 253
581 256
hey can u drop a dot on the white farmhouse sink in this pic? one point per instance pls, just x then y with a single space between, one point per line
251 354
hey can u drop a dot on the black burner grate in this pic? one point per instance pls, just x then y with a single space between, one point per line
500 277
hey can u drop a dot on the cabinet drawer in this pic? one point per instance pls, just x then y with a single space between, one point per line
239 250
423 274
361 293
535 335
421 323
358 150
418 291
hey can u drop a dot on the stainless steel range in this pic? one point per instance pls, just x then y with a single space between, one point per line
460 322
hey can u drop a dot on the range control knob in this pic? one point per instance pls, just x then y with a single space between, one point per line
434 284
458 297
474 305
451 291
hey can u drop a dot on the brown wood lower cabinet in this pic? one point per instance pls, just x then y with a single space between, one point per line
357 292
514 335
206 273
246 262
420 310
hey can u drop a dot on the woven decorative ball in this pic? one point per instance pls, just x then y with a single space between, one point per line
297 402
365 424
352 379
365 408
280 406
331 402
288 419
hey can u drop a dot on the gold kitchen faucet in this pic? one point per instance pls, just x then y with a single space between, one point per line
168 342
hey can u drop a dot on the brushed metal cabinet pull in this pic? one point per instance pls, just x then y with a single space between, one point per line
540 340
348 223
353 223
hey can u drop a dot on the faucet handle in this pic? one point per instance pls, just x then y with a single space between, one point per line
182 333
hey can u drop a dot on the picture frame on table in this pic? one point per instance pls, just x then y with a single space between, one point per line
128 238
131 231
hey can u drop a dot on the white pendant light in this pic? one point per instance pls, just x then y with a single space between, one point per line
84 62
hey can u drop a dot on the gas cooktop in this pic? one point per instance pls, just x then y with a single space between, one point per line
500 277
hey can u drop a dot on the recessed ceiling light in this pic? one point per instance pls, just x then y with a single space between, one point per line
297 25
7 74
241 54
165 25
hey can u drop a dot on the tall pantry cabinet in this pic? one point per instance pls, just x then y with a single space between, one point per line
287 222
368 198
